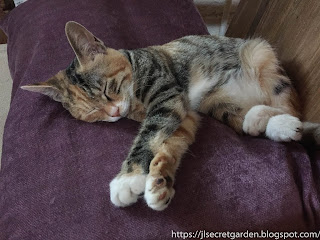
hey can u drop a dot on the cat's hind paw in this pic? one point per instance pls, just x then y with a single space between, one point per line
256 119
159 185
284 128
126 189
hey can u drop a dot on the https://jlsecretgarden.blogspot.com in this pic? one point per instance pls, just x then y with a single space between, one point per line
263 234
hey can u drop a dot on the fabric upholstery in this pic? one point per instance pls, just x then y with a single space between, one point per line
54 181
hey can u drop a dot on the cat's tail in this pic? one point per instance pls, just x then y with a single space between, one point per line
311 134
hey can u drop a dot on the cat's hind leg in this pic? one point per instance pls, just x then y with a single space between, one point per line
280 119
159 189
284 128
274 122
256 120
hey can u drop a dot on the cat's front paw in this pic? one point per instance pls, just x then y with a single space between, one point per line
157 194
126 189
159 185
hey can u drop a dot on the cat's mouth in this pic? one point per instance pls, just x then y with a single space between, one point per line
114 114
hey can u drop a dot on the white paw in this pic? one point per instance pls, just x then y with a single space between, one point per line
125 189
284 128
256 120
159 192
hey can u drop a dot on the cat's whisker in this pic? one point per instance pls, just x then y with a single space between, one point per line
189 152
62 112
142 87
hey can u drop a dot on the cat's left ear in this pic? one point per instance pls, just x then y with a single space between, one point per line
83 42
50 88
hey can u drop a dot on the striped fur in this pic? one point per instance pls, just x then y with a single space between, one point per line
238 82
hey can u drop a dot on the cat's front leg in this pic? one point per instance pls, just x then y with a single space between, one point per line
127 186
157 185
163 118
159 189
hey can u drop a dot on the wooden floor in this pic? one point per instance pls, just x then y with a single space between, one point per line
215 13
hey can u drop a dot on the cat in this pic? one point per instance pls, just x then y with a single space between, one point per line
238 82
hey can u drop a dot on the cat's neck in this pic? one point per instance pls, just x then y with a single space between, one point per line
137 109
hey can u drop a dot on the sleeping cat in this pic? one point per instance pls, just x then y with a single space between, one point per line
238 82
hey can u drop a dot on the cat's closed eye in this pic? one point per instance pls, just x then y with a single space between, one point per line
108 98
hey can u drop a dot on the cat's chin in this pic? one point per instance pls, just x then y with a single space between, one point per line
112 119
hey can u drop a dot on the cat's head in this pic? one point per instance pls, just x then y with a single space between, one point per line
97 86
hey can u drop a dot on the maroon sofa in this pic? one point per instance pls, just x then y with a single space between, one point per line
54 181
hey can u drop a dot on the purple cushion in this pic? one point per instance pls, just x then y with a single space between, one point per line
56 170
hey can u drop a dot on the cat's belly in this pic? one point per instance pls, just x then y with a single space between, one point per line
245 92
198 88
205 92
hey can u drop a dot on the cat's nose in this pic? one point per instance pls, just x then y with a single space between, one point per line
116 113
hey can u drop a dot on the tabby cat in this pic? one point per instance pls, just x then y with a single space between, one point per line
239 82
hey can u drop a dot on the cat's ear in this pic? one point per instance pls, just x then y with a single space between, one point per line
50 88
83 42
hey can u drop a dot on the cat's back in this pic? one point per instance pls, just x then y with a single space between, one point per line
206 53
222 64
203 45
